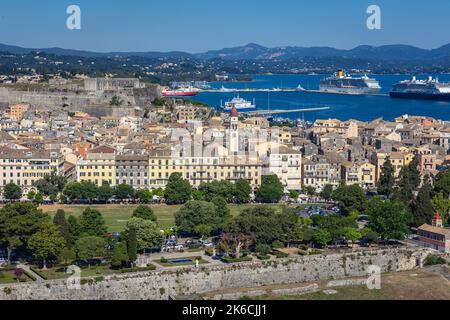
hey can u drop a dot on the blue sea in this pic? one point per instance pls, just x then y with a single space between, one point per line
343 107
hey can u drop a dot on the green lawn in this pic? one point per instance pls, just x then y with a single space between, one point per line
116 216
8 276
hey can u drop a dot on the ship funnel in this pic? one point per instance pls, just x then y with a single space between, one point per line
430 78
341 73
414 78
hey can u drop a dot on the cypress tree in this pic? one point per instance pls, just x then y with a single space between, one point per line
60 221
387 178
132 245
422 207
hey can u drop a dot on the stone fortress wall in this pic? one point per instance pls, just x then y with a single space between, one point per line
162 284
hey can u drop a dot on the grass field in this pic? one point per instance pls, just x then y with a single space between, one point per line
116 216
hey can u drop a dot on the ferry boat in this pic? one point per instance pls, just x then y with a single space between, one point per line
240 104
180 92
346 84
430 89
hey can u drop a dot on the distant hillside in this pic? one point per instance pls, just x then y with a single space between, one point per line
388 52
256 52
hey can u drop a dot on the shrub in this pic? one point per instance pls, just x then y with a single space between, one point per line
433 260
228 259
315 251
277 244
263 257
280 254
263 249
302 253
164 260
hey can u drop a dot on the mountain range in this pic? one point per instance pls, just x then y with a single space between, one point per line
257 52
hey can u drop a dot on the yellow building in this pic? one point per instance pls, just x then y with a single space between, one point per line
398 161
361 173
97 166
26 166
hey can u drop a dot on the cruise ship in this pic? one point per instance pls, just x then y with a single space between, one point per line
240 104
430 89
180 92
346 84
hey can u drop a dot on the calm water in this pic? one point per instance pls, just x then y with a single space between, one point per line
342 106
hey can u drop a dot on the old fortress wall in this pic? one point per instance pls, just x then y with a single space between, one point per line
162 284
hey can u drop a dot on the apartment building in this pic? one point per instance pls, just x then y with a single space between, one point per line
26 166
97 166
133 170
286 163
361 173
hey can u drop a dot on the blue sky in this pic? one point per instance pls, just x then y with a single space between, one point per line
200 25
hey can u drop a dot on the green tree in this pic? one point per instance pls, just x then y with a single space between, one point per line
441 204
12 191
73 191
90 247
124 191
144 195
442 183
197 195
120 255
195 213
203 230
18 222
242 191
221 188
310 191
144 212
132 245
92 223
104 192
370 236
327 191
387 178
293 194
67 255
271 190
51 184
389 219
30 195
351 234
74 230
148 234
158 192
60 221
350 198
222 212
46 243
322 237
85 190
335 225
422 208
178 190
408 182
39 198
265 225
